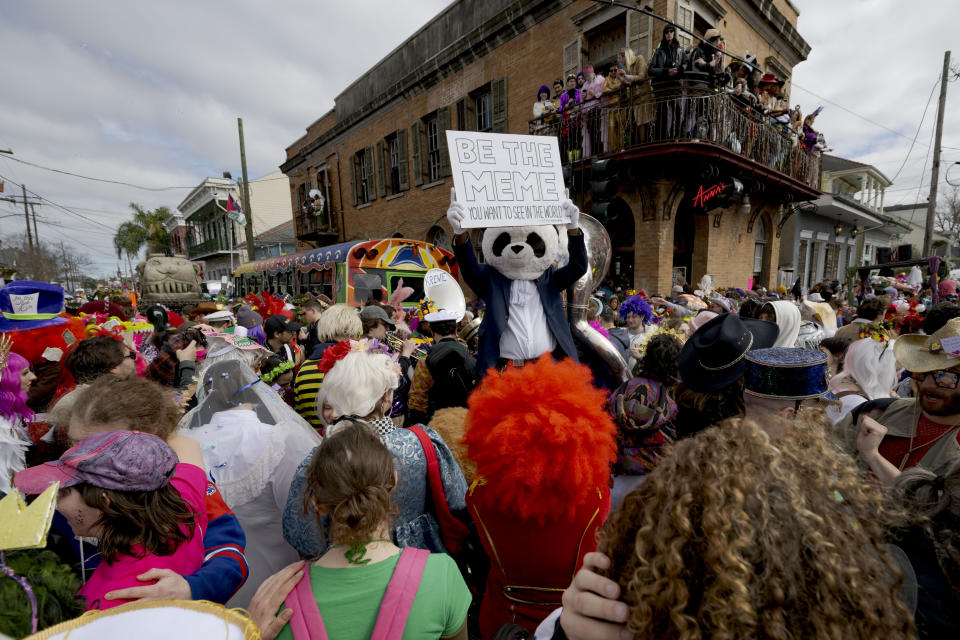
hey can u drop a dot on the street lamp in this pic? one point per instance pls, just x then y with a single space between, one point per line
838 229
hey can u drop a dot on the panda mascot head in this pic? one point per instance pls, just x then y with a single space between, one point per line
524 253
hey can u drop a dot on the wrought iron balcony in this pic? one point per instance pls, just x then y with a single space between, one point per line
207 247
640 115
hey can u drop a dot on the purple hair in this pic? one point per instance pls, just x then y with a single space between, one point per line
637 305
256 333
13 399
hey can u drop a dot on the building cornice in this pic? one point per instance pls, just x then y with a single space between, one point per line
514 19
774 27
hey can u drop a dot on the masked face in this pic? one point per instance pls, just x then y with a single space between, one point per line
521 253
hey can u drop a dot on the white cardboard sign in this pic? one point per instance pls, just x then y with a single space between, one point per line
507 180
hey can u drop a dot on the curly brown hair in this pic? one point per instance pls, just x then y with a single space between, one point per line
350 478
734 537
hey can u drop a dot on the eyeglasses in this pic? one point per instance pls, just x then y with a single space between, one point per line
131 354
943 379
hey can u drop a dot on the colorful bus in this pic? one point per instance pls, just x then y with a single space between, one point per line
350 272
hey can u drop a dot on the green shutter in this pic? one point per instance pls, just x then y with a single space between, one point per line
417 161
369 172
500 105
462 114
353 179
382 186
404 163
443 124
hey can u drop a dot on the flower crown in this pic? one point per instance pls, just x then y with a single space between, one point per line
339 351
278 371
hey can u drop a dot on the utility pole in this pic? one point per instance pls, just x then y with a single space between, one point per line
935 171
26 214
36 234
246 193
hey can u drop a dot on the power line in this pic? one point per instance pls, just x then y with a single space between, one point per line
77 175
919 126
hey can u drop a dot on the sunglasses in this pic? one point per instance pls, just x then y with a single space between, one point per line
943 379
131 354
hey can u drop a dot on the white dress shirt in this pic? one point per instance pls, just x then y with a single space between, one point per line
527 335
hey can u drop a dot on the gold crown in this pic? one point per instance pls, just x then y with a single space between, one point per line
6 343
25 527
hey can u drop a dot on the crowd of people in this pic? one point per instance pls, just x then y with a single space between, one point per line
770 464
637 101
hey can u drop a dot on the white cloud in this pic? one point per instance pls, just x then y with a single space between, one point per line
149 93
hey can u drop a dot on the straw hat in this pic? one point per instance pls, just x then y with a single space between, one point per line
921 353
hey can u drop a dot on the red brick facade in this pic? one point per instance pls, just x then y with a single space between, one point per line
512 68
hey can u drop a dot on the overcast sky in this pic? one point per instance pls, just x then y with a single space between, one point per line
149 93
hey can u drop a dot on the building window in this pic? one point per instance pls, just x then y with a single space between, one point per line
483 106
437 236
432 130
363 176
760 246
685 20
393 164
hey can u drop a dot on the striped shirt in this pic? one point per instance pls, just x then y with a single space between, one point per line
306 385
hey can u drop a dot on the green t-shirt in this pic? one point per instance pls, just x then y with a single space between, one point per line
349 599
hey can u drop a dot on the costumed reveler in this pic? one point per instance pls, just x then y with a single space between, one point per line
15 415
543 446
252 443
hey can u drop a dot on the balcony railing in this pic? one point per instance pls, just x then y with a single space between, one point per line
640 115
214 245
325 223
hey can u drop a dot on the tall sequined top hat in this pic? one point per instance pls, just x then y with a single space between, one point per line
27 304
786 373
920 353
120 460
713 357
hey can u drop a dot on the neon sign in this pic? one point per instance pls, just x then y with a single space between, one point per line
705 195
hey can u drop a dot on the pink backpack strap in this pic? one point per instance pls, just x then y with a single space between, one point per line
306 623
401 592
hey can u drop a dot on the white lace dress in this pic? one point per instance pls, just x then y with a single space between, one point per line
13 450
253 464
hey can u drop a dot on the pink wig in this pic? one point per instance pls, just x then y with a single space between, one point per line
13 399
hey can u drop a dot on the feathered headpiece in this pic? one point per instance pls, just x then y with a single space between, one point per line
540 437
639 306
266 305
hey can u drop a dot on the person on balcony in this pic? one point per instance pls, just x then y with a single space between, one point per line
707 56
557 91
570 128
610 129
544 105
591 92
666 68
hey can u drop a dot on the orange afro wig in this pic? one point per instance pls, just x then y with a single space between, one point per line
540 439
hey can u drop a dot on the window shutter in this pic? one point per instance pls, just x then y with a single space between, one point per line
417 162
462 115
353 179
638 33
500 105
382 186
368 161
404 164
443 124
571 58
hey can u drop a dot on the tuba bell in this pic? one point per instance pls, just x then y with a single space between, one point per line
599 248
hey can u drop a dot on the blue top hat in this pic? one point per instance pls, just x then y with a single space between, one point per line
27 304
790 374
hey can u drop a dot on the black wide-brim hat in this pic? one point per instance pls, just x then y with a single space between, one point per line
713 357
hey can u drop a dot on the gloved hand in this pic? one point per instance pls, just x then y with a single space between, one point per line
571 210
456 213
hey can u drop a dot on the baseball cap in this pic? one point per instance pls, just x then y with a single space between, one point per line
373 312
119 460
275 324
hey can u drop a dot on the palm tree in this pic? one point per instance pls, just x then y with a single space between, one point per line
146 228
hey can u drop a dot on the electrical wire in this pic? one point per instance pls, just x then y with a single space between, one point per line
77 175
919 126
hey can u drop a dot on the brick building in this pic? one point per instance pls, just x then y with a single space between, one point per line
379 157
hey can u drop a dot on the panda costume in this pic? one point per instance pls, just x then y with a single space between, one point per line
521 286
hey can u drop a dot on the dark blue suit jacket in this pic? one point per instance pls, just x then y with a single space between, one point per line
494 288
